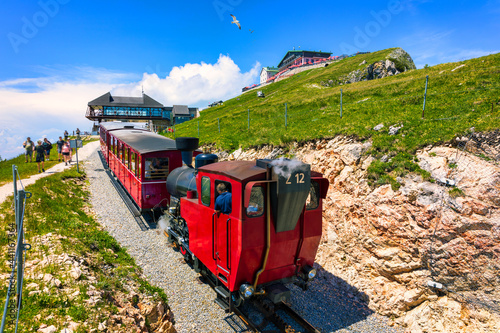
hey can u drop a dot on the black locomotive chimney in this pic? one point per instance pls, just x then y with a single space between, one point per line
289 192
187 145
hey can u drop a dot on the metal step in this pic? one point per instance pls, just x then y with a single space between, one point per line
223 304
222 291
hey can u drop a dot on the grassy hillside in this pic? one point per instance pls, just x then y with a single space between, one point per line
456 101
64 234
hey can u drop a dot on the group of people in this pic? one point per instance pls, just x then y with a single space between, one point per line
42 151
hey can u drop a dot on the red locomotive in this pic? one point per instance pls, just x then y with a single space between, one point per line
269 237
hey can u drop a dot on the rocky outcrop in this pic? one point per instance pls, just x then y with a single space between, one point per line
426 254
74 279
398 61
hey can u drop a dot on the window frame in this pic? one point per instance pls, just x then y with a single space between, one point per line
317 190
263 204
202 196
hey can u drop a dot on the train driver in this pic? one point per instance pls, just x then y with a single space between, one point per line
224 200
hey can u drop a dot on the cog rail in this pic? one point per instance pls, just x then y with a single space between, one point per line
272 312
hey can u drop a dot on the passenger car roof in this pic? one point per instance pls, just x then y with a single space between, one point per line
143 141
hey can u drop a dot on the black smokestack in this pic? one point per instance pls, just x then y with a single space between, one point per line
187 145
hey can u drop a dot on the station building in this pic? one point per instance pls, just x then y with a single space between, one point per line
144 108
301 57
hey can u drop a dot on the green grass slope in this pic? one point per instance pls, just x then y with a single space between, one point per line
457 99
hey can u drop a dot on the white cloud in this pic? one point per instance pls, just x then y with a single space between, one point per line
194 84
46 106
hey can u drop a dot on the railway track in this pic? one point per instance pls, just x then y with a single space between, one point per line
261 315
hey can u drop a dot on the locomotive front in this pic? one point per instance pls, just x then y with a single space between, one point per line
268 237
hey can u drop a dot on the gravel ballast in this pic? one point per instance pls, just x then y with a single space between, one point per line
329 304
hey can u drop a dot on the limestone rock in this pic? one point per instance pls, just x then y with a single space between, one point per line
50 329
393 130
75 273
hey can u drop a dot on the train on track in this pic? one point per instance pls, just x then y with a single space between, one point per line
268 234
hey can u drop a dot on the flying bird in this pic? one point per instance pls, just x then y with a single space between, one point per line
235 21
251 31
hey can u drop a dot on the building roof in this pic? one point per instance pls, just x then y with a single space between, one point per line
180 110
108 100
144 141
270 69
320 54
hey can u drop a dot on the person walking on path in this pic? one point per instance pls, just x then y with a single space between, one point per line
60 144
65 152
40 155
47 146
78 133
29 146
66 134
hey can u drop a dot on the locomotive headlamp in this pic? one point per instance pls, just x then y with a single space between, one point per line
246 290
310 272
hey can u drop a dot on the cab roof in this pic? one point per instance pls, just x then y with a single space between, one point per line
237 170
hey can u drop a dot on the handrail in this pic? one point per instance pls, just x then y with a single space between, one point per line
213 237
228 243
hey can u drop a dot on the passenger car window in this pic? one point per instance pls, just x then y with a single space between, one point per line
205 191
312 201
139 166
133 157
156 168
256 204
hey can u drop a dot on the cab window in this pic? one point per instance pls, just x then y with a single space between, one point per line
227 186
156 168
312 201
256 204
205 191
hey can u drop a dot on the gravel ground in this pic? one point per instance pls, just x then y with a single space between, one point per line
329 304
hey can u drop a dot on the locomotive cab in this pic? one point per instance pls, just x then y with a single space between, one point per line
271 233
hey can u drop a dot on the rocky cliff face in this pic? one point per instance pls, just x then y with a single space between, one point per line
392 245
397 61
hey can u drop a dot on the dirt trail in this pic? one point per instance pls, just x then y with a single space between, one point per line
83 153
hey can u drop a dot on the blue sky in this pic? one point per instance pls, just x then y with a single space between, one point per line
56 55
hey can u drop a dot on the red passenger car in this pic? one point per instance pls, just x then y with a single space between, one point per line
269 238
141 161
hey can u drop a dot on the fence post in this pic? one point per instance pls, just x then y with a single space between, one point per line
341 103
425 94
15 190
218 124
20 243
248 119
286 115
